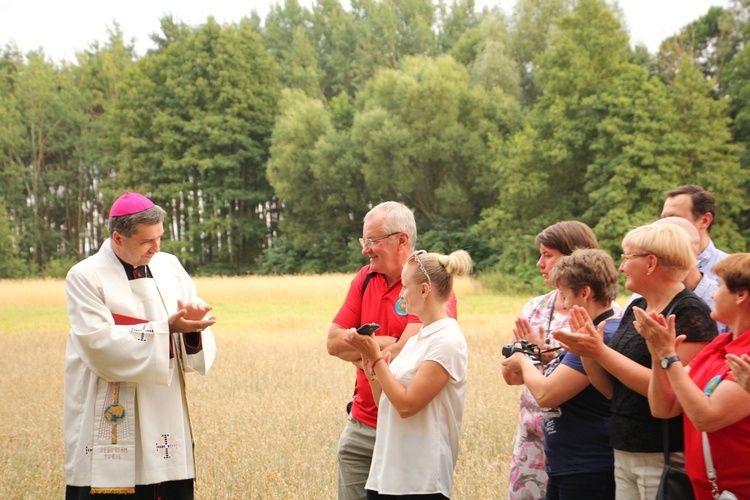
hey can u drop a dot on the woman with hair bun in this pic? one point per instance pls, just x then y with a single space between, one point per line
420 395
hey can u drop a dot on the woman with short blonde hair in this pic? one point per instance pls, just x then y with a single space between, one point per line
655 260
670 243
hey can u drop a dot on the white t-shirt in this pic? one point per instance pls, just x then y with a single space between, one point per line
417 455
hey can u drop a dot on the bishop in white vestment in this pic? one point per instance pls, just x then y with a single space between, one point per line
137 327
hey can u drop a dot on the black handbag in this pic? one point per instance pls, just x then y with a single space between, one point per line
674 483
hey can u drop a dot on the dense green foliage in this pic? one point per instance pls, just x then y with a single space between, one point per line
267 141
193 126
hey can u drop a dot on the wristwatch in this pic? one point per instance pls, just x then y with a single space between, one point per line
665 362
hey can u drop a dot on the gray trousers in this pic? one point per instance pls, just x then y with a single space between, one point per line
355 455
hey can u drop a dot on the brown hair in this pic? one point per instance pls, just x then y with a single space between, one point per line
567 236
735 271
589 267
703 201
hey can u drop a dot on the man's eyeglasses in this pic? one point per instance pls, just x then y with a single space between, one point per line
367 242
415 257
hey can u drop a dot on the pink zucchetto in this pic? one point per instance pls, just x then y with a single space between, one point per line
130 203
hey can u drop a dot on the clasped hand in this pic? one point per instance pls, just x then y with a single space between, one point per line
191 317
367 347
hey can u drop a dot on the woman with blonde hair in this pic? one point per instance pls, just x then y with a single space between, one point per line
655 260
420 395
716 408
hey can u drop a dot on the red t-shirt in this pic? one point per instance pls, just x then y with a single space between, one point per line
729 445
379 304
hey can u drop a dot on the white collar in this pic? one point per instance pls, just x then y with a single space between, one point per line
428 330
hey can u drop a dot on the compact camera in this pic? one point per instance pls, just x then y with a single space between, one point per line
523 346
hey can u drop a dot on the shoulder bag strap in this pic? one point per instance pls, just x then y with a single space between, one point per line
665 422
665 440
710 470
551 317
367 281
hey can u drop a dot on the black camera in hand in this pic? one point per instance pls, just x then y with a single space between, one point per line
523 346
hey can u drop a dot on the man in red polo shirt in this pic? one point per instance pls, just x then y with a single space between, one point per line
389 234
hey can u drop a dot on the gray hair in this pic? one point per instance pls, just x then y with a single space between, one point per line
398 219
127 225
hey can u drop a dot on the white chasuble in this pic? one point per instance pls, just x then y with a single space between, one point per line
126 414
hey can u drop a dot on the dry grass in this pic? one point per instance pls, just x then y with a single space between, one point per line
269 415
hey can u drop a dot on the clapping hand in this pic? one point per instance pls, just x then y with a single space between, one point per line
740 366
583 338
524 331
658 332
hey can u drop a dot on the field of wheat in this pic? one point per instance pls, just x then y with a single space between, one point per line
269 414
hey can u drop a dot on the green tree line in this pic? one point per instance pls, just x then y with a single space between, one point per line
267 140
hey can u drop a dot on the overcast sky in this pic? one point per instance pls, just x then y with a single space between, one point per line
64 27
